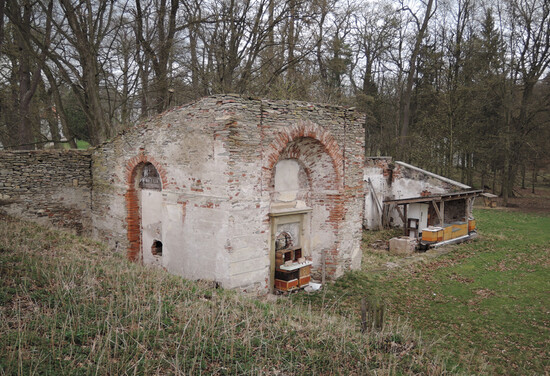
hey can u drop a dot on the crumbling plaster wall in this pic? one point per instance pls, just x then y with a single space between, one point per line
398 180
216 159
51 187
337 198
192 162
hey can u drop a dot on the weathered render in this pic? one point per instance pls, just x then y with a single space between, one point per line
213 183
386 179
50 187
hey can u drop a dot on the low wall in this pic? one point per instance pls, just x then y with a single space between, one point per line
52 187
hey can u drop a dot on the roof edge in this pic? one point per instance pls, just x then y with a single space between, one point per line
439 177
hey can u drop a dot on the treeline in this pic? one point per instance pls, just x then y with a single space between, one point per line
451 85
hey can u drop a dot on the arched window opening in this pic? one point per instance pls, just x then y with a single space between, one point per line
150 178
283 241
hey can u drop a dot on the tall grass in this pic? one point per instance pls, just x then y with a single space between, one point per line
69 305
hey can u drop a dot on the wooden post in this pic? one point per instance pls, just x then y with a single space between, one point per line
468 204
363 315
438 212
372 314
323 267
405 209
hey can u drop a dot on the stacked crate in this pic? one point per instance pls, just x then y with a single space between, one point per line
292 271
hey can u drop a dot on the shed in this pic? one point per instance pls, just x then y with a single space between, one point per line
420 212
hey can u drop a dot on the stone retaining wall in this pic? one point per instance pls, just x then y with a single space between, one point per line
52 187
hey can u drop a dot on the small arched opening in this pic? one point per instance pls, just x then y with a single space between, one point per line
156 248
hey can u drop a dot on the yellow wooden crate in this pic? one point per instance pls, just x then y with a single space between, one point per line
471 225
459 229
447 232
434 234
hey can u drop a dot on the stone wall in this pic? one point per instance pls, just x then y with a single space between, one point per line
49 187
193 190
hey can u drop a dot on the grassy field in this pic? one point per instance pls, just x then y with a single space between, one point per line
70 306
487 302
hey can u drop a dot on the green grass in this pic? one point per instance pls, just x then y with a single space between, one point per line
80 144
487 301
69 305
375 245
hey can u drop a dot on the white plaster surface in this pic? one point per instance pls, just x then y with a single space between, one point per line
151 225
287 183
217 192
420 212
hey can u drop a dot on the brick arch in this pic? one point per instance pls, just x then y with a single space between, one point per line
304 129
133 214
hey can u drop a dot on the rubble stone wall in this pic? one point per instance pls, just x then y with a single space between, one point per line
52 187
207 215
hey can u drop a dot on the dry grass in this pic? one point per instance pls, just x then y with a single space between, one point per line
68 305
375 248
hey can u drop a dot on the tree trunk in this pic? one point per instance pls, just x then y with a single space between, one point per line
523 175
534 177
411 74
59 108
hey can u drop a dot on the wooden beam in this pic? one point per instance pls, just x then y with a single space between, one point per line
379 207
411 200
438 213
401 215
385 215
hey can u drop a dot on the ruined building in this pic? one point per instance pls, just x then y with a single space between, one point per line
208 190
398 194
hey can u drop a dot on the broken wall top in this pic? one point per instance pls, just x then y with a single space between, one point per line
230 110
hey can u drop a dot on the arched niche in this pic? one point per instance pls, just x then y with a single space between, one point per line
304 184
150 178
303 172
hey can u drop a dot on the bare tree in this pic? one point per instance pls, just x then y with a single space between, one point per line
28 61
422 27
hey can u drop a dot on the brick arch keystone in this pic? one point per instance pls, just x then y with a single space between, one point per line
133 215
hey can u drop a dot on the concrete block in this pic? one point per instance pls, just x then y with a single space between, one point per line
402 245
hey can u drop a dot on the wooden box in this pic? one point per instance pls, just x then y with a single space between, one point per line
459 229
305 271
304 281
286 285
292 271
432 235
471 225
447 232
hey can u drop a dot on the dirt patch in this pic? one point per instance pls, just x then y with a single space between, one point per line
526 201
